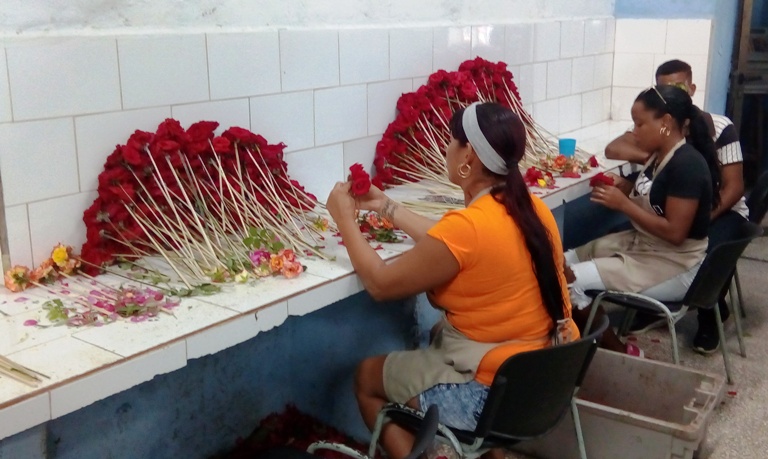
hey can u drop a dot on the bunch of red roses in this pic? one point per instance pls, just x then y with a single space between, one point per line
177 188
412 145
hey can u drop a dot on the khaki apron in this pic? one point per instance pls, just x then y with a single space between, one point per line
635 260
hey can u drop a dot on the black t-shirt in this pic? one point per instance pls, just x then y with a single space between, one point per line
687 176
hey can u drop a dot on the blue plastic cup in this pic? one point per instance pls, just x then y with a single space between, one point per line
567 147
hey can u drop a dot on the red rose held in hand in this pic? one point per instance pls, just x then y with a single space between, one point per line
361 181
600 179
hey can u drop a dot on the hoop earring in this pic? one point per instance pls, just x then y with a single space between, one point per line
665 131
464 173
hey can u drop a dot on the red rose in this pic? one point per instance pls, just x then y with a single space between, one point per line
593 161
361 181
601 179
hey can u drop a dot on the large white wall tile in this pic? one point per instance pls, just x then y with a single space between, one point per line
558 78
63 77
418 82
546 41
547 114
382 100
592 108
309 59
163 70
52 222
29 171
688 36
304 166
583 75
363 55
533 82
519 48
5 90
594 36
228 113
641 35
570 113
97 136
610 35
287 118
603 70
410 53
571 38
19 244
243 64
632 69
361 151
452 46
621 102
340 114
488 42
607 94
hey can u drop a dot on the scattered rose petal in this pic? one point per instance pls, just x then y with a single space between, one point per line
378 247
570 174
732 393
65 292
21 299
30 323
655 340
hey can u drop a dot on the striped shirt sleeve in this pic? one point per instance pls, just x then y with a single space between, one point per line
727 141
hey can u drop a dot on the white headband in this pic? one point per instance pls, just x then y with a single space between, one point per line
487 154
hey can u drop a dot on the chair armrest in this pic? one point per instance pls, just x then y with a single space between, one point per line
410 418
338 447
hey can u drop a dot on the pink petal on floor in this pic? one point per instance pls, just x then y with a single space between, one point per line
30 323
21 299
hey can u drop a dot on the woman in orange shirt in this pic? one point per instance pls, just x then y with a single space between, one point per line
495 268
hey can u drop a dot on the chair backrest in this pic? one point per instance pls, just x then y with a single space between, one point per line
425 436
533 390
757 201
718 266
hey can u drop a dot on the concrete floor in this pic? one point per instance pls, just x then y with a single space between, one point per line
739 425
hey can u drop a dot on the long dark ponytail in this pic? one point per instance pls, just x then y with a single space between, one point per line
505 132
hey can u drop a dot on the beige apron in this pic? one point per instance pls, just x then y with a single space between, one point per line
635 260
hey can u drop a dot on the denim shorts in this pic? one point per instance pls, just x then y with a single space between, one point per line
460 405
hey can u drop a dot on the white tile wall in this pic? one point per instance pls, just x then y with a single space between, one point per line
583 74
363 55
243 64
163 70
546 41
51 222
572 38
327 94
489 42
382 98
451 47
29 171
410 53
340 114
640 35
19 243
305 166
288 118
633 69
97 136
228 113
519 38
570 113
309 59
595 36
361 151
5 90
80 76
559 78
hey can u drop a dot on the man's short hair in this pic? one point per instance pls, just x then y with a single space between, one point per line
674 66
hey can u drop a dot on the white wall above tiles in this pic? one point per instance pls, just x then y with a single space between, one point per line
126 16
327 93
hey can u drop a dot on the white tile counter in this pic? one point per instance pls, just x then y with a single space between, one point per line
91 363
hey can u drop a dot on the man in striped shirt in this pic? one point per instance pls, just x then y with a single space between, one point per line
731 211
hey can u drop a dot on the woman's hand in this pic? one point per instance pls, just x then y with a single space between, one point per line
620 182
341 204
609 196
373 200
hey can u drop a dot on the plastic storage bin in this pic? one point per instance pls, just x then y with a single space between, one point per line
633 408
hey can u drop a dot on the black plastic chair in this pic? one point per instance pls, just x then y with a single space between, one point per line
757 202
529 395
704 292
